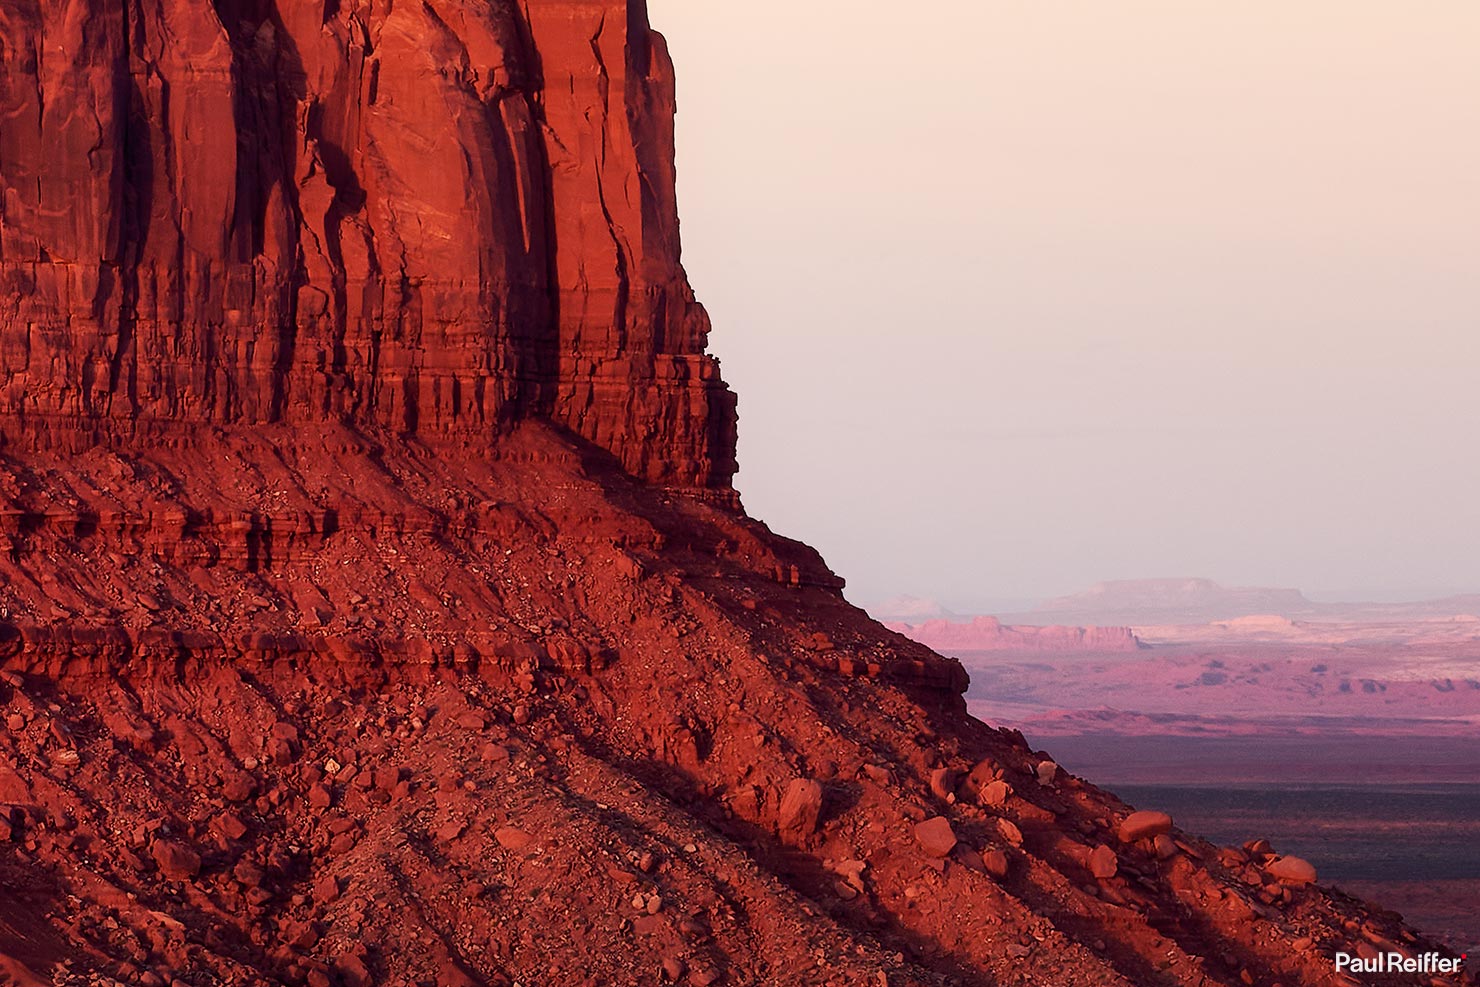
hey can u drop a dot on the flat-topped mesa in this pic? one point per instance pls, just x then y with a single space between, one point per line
430 218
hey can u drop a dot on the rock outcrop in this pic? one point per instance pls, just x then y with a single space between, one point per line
351 629
426 219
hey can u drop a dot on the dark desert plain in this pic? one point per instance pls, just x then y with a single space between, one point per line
1348 734
377 605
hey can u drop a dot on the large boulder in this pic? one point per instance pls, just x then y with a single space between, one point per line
1144 825
1291 870
935 836
801 807
176 861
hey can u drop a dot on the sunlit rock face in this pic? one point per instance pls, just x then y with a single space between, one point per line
417 218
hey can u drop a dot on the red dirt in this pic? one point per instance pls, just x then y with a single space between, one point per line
375 608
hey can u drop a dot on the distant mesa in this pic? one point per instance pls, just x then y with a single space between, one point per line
910 609
990 634
1166 602
1141 602
1158 608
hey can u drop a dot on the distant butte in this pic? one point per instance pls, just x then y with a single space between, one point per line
990 634
375 605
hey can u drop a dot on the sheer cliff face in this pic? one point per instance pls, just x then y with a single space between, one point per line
431 217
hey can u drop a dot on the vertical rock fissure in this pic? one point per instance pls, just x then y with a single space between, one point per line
135 216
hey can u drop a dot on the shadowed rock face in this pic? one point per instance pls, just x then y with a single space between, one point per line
426 218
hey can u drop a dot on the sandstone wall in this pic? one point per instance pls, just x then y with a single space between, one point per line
417 218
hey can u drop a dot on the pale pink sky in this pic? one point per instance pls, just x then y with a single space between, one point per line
1019 296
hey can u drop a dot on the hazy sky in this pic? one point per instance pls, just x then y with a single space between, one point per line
1020 296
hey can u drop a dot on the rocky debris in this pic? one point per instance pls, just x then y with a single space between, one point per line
14 788
472 721
935 836
352 971
1009 832
513 839
979 777
238 786
176 862
231 826
851 873
995 794
1144 825
943 784
651 904
326 889
556 837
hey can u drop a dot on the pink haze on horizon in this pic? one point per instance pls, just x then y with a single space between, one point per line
1073 292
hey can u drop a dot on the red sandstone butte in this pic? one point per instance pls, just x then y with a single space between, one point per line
375 606
423 218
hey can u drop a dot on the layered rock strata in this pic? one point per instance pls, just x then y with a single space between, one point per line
990 634
426 219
